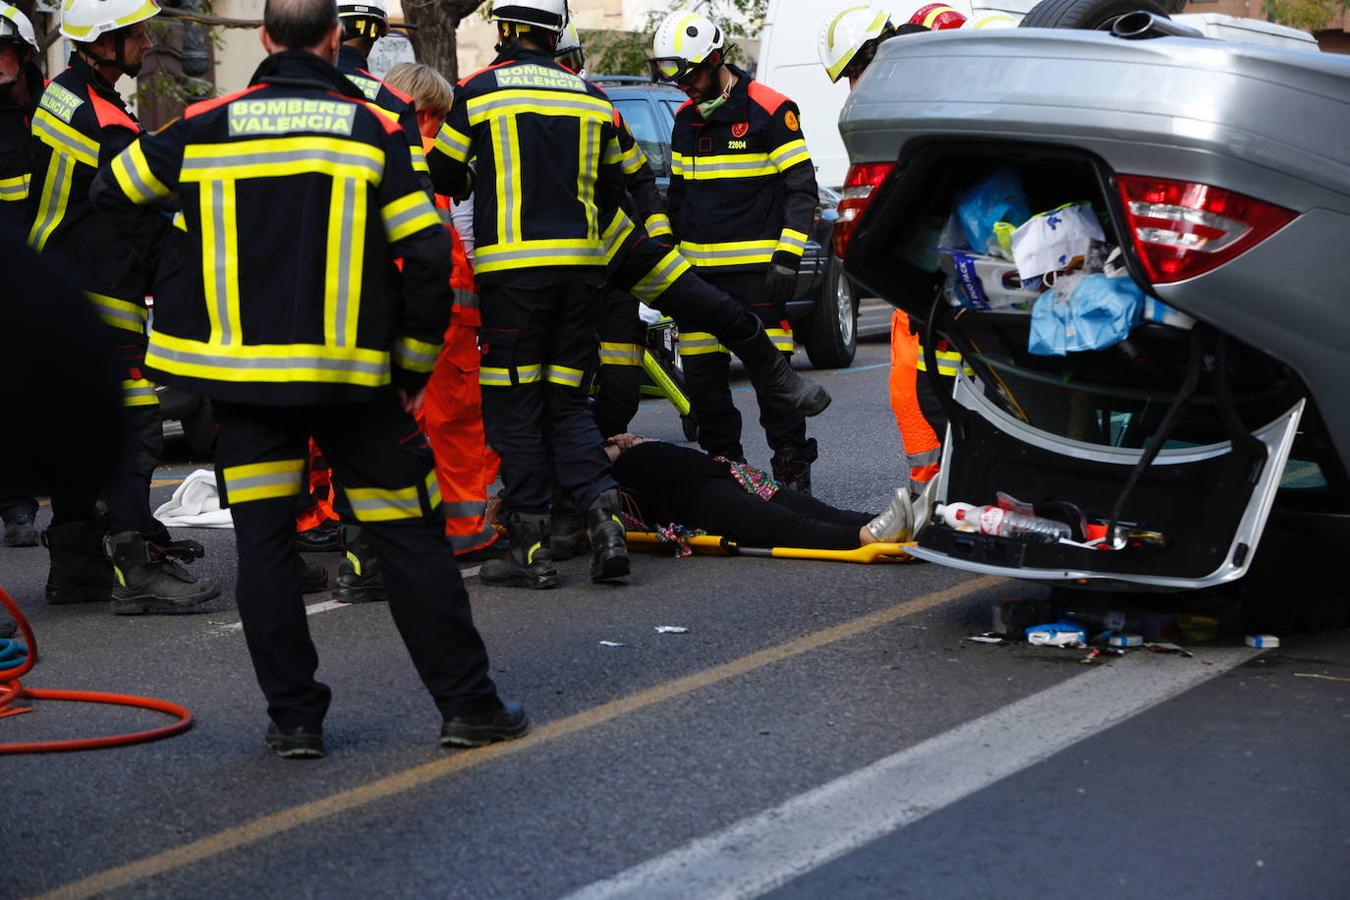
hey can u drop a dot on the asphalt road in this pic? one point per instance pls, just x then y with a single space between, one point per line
822 730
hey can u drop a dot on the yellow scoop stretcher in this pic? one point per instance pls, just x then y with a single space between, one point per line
712 545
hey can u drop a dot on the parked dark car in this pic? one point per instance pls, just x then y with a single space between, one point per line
825 314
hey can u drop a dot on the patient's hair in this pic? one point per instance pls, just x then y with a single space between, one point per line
430 91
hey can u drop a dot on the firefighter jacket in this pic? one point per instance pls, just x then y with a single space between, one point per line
742 187
15 154
549 183
640 183
297 197
393 103
79 126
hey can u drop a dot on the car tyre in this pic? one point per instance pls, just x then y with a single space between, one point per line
1092 15
199 427
830 336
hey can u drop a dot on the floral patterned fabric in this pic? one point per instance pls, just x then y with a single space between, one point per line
754 481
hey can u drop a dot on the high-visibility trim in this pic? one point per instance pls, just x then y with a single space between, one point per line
179 221
13 189
461 543
432 486
699 343
408 215
782 338
617 353
948 361
465 299
134 177
633 160
220 261
790 241
145 11
616 233
55 197
416 356
280 157
453 144
139 392
515 102
463 509
267 362
614 154
419 158
385 504
677 164
263 481
563 375
790 154
64 139
529 374
344 260
664 274
736 165
509 190
494 377
923 467
732 253
658 225
524 254
589 135
120 313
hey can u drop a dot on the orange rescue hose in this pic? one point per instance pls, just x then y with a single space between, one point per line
11 690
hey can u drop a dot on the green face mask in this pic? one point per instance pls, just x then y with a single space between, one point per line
709 107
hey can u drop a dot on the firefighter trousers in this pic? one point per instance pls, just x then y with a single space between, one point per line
919 414
386 483
539 350
623 338
707 364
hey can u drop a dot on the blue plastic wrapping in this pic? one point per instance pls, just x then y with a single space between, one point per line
1086 312
998 198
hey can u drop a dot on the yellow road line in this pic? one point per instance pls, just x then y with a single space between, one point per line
284 820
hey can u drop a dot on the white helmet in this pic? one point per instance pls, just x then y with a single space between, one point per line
363 18
87 20
550 15
569 52
14 24
848 31
683 41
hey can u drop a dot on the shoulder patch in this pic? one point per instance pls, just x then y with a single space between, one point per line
790 120
368 86
251 117
765 97
60 102
533 75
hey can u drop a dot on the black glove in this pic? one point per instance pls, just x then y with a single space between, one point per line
780 284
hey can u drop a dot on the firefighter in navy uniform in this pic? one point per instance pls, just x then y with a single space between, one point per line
292 316
80 125
20 87
742 199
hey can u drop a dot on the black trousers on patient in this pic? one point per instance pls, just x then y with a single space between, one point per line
790 519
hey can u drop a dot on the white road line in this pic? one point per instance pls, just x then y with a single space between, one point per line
327 605
769 849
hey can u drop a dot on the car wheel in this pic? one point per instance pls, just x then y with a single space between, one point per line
199 427
831 333
1097 15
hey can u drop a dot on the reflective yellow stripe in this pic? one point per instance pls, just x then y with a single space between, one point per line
736 165
138 392
677 164
121 314
419 158
615 353
789 155
790 241
433 491
733 253
699 343
278 157
664 274
618 230
220 261
524 254
453 144
589 136
658 225
506 153
614 154
385 504
263 481
267 362
64 139
415 355
515 101
345 260
529 374
134 177
633 159
408 215
179 221
782 338
55 196
564 375
948 361
493 377
15 188
144 11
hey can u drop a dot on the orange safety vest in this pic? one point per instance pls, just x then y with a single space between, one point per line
923 448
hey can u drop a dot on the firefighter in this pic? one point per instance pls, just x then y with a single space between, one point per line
363 24
80 125
20 87
848 41
291 339
742 198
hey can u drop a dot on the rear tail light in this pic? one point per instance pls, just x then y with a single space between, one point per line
861 183
1181 229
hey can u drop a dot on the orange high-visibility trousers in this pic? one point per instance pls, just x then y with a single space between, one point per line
923 449
320 509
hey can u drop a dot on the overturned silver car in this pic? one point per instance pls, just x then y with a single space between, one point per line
1212 442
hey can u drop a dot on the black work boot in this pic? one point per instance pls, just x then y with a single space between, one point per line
359 578
19 528
79 571
497 720
313 578
528 564
774 378
295 743
792 472
609 549
149 580
567 530
326 537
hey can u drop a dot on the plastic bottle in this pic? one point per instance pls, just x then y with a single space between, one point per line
998 521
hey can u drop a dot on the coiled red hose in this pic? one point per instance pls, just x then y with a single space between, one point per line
11 690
